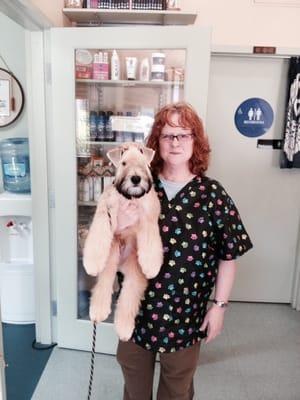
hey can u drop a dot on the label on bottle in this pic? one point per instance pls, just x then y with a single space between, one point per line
93 126
14 170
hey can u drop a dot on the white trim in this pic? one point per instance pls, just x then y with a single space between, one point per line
38 162
278 3
296 287
2 366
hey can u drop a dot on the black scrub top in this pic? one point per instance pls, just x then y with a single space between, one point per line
199 227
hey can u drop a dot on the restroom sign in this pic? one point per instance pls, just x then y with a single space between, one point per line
254 117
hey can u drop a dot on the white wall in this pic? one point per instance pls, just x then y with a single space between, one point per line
52 10
249 22
234 22
12 49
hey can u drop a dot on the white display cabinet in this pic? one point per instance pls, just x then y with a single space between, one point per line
91 113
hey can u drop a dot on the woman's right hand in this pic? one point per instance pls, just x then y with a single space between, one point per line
128 214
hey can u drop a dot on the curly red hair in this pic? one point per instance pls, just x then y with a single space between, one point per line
188 118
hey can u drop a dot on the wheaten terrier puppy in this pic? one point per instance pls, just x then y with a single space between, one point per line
136 251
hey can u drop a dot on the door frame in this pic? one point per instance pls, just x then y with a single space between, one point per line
281 53
2 365
37 124
296 287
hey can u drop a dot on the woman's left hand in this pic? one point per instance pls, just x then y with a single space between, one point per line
213 322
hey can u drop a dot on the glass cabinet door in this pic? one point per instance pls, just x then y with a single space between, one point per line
118 92
106 86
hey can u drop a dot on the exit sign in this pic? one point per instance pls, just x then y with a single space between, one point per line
264 50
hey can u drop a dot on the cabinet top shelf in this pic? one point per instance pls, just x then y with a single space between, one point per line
97 17
130 83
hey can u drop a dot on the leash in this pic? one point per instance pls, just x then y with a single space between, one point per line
92 361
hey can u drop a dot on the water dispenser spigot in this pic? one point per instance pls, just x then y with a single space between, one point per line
23 227
11 225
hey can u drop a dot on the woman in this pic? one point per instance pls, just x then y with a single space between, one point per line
202 235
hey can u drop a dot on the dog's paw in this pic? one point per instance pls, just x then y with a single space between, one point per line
151 271
151 274
91 268
124 329
99 314
150 265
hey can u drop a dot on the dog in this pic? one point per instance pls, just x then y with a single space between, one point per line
136 251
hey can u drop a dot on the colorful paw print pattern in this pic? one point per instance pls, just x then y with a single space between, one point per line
199 226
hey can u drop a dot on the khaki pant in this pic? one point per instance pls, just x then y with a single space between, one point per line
176 374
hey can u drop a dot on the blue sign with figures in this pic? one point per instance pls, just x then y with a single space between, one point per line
254 117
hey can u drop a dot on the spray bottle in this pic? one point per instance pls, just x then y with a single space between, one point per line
115 66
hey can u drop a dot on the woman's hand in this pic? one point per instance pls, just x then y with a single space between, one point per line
213 322
128 214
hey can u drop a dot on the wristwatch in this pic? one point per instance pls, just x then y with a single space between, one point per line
221 304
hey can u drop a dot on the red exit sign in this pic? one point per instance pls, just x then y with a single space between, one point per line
264 50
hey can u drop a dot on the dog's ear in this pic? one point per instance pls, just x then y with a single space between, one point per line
115 156
149 154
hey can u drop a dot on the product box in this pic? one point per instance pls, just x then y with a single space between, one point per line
83 64
103 71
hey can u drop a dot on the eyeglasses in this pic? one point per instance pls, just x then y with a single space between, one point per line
181 137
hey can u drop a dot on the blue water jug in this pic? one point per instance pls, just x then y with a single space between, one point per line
14 154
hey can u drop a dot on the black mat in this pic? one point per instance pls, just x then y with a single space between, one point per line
25 364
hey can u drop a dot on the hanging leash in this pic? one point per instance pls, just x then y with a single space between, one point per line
92 361
94 344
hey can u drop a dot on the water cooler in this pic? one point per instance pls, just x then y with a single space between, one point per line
16 252
17 290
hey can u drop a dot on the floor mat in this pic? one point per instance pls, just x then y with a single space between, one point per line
25 364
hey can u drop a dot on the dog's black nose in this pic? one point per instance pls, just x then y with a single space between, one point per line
135 179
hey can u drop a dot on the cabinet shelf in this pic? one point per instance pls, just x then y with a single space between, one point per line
101 143
95 17
126 83
88 203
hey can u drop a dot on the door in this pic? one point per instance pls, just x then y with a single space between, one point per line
267 196
95 109
2 365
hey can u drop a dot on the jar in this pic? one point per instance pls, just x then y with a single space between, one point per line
14 154
73 3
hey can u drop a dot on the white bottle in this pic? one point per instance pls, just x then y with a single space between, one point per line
80 189
145 70
91 187
86 190
115 66
97 188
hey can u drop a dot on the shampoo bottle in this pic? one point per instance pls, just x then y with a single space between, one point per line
96 67
145 70
115 66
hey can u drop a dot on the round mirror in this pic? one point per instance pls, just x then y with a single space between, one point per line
11 98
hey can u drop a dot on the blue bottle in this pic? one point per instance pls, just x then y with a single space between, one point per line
93 125
101 124
14 153
109 133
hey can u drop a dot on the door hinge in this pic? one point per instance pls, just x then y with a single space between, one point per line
48 73
51 199
54 308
